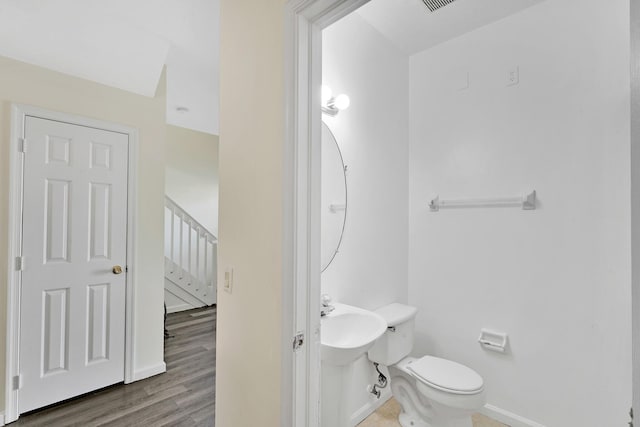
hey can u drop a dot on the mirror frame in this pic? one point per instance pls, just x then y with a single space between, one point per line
346 201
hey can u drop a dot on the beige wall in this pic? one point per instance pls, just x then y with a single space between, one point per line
25 84
249 337
191 178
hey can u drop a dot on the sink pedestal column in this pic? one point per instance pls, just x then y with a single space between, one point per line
335 398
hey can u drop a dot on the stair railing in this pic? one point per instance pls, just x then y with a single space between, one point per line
190 252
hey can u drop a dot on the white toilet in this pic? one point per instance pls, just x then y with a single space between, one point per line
432 392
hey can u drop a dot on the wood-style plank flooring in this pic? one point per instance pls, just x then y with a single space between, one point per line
183 396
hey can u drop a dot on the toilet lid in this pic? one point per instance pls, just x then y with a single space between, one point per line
446 375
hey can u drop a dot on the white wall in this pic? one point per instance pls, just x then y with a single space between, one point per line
557 279
370 269
191 178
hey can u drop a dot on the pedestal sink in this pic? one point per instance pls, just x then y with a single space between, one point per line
345 336
348 332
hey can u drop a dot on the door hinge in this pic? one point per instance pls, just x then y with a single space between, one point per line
298 341
17 382
22 145
631 416
19 263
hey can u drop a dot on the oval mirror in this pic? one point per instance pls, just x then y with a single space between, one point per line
334 197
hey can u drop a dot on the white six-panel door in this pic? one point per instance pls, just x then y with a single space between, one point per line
72 320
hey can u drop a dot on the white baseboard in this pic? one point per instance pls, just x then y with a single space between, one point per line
368 409
507 417
1 418
178 307
150 371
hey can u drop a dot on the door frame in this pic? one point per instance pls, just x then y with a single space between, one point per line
304 22
635 199
19 114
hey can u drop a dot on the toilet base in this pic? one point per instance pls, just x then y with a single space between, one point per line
422 407
408 421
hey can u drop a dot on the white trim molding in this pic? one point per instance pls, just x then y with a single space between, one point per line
132 243
635 199
369 408
13 276
507 417
304 21
19 113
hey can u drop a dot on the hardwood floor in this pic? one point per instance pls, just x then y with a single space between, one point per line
183 396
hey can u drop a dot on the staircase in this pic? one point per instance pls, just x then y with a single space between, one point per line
190 268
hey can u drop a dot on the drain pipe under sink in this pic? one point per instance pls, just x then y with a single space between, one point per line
382 383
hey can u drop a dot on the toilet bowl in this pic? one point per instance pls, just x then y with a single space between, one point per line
431 391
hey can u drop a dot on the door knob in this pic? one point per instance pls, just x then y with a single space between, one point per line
117 269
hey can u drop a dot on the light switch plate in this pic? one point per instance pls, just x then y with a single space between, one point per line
513 76
461 80
228 280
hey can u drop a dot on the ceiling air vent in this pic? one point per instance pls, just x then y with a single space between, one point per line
434 5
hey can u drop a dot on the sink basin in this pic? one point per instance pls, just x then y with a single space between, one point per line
348 332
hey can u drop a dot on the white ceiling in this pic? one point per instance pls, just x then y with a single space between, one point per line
125 44
413 28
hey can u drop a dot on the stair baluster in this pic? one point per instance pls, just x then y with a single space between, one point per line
189 268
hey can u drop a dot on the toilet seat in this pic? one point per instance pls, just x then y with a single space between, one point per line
446 375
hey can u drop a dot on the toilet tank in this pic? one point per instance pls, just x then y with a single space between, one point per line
397 342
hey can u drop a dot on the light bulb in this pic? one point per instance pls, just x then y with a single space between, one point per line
341 102
325 94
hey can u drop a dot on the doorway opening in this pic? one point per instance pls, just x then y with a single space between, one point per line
491 82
